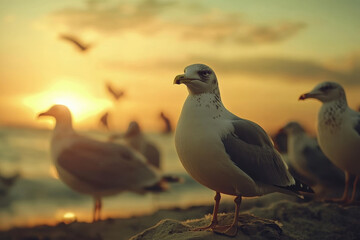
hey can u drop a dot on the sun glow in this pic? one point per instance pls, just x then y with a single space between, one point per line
69 92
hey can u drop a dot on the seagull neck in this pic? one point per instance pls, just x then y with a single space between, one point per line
63 125
339 105
205 99
330 116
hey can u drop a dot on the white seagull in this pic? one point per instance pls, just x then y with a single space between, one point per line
223 152
97 168
308 161
338 129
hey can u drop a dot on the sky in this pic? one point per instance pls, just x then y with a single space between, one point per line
264 53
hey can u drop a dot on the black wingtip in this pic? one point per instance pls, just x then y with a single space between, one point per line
298 187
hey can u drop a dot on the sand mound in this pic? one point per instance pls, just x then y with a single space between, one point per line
290 220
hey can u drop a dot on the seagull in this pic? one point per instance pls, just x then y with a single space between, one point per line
135 138
7 182
98 168
338 130
308 161
76 42
116 93
226 153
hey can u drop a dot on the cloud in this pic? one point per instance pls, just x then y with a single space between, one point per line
152 16
289 69
103 18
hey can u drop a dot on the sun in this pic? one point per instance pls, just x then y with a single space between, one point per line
66 91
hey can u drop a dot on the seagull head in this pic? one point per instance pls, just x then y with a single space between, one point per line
325 92
292 128
133 129
199 79
61 113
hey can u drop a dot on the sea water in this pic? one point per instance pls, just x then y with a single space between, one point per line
38 197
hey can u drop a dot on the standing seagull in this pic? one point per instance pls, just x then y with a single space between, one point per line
223 152
97 168
338 129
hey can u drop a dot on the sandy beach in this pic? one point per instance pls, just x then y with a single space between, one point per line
275 216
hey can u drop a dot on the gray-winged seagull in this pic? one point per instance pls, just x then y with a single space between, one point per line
338 129
308 161
223 152
97 168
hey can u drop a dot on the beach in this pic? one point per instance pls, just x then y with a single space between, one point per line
274 216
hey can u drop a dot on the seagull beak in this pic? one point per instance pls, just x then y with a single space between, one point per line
303 96
179 79
182 79
313 94
43 114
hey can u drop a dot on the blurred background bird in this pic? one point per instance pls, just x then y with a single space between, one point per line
7 182
82 47
98 168
308 163
104 120
167 123
114 92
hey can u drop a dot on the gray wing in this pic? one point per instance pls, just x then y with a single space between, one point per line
251 149
153 155
106 165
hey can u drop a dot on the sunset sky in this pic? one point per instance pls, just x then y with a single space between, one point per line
264 53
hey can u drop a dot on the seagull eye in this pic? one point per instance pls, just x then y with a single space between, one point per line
326 88
205 73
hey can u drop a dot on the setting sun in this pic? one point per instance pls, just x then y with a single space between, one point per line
68 92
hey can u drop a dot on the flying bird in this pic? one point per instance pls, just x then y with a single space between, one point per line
98 168
115 93
226 153
104 120
308 161
167 122
76 42
338 131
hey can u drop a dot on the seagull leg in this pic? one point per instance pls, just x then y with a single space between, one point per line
344 198
352 200
97 209
231 230
214 220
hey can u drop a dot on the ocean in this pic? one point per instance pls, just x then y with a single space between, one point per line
38 197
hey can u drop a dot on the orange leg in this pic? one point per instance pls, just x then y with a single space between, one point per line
231 230
352 200
214 220
344 198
